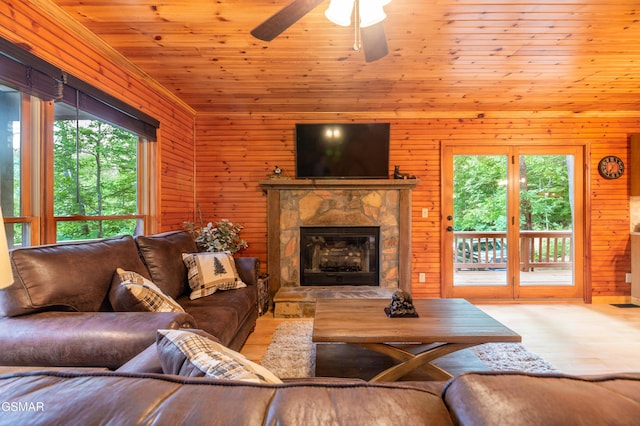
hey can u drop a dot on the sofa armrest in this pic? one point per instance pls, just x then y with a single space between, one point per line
146 361
82 339
248 269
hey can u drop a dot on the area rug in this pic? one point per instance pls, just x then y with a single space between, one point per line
291 353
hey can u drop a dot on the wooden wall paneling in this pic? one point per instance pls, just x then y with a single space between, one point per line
633 166
417 153
248 132
235 152
51 35
233 155
610 216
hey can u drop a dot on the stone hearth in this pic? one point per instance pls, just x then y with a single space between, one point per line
300 302
376 202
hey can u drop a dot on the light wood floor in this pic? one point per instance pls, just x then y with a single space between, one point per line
574 338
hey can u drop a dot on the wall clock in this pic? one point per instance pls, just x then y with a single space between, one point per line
611 167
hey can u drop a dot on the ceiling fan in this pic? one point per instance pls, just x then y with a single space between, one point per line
372 35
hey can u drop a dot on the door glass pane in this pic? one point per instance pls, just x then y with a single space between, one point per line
546 220
480 220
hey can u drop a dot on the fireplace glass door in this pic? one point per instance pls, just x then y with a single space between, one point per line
339 255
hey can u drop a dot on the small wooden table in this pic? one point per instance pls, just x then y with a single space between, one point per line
444 326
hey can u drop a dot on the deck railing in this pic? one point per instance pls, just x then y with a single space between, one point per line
488 250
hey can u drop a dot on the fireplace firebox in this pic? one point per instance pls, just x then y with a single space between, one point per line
339 255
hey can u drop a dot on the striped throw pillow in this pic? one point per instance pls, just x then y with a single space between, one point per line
131 291
188 354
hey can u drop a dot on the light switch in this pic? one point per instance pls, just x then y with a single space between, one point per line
425 212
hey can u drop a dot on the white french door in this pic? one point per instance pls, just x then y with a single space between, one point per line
512 222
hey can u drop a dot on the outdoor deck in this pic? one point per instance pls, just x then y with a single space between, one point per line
546 258
542 277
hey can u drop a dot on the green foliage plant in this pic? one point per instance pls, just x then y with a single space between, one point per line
219 236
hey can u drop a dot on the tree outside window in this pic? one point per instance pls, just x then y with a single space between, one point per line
95 174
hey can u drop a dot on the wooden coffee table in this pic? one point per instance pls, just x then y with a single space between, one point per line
444 326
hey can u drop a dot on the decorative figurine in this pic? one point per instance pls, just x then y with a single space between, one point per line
398 175
278 173
401 306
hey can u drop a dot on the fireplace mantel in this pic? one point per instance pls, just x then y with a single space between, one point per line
279 184
277 188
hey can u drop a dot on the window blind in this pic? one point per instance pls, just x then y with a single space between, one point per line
30 74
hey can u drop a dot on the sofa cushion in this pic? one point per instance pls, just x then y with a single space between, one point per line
131 292
210 272
162 253
188 354
67 276
129 398
223 313
513 398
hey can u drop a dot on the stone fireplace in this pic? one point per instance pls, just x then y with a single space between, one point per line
293 204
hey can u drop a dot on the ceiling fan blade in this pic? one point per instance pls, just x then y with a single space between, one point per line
374 42
283 19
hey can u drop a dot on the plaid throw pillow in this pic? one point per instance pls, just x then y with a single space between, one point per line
131 291
209 272
188 354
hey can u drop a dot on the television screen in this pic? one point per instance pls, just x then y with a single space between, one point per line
350 150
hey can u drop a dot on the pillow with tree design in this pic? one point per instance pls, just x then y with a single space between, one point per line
211 271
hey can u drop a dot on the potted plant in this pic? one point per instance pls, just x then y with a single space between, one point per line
217 236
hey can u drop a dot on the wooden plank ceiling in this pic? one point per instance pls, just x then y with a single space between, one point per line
444 55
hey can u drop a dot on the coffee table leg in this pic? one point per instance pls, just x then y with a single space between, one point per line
410 361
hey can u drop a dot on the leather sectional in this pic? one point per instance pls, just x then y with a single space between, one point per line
470 399
57 313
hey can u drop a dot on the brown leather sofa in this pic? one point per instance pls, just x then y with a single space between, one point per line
57 312
67 397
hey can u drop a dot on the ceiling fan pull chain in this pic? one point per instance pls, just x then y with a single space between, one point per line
356 26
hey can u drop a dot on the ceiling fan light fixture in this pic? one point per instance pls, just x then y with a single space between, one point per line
339 12
371 12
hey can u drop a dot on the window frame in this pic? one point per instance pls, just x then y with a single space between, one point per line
36 174
40 84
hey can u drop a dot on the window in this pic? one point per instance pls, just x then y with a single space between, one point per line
17 188
95 177
82 167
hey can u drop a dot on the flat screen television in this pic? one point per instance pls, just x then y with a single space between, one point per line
342 151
